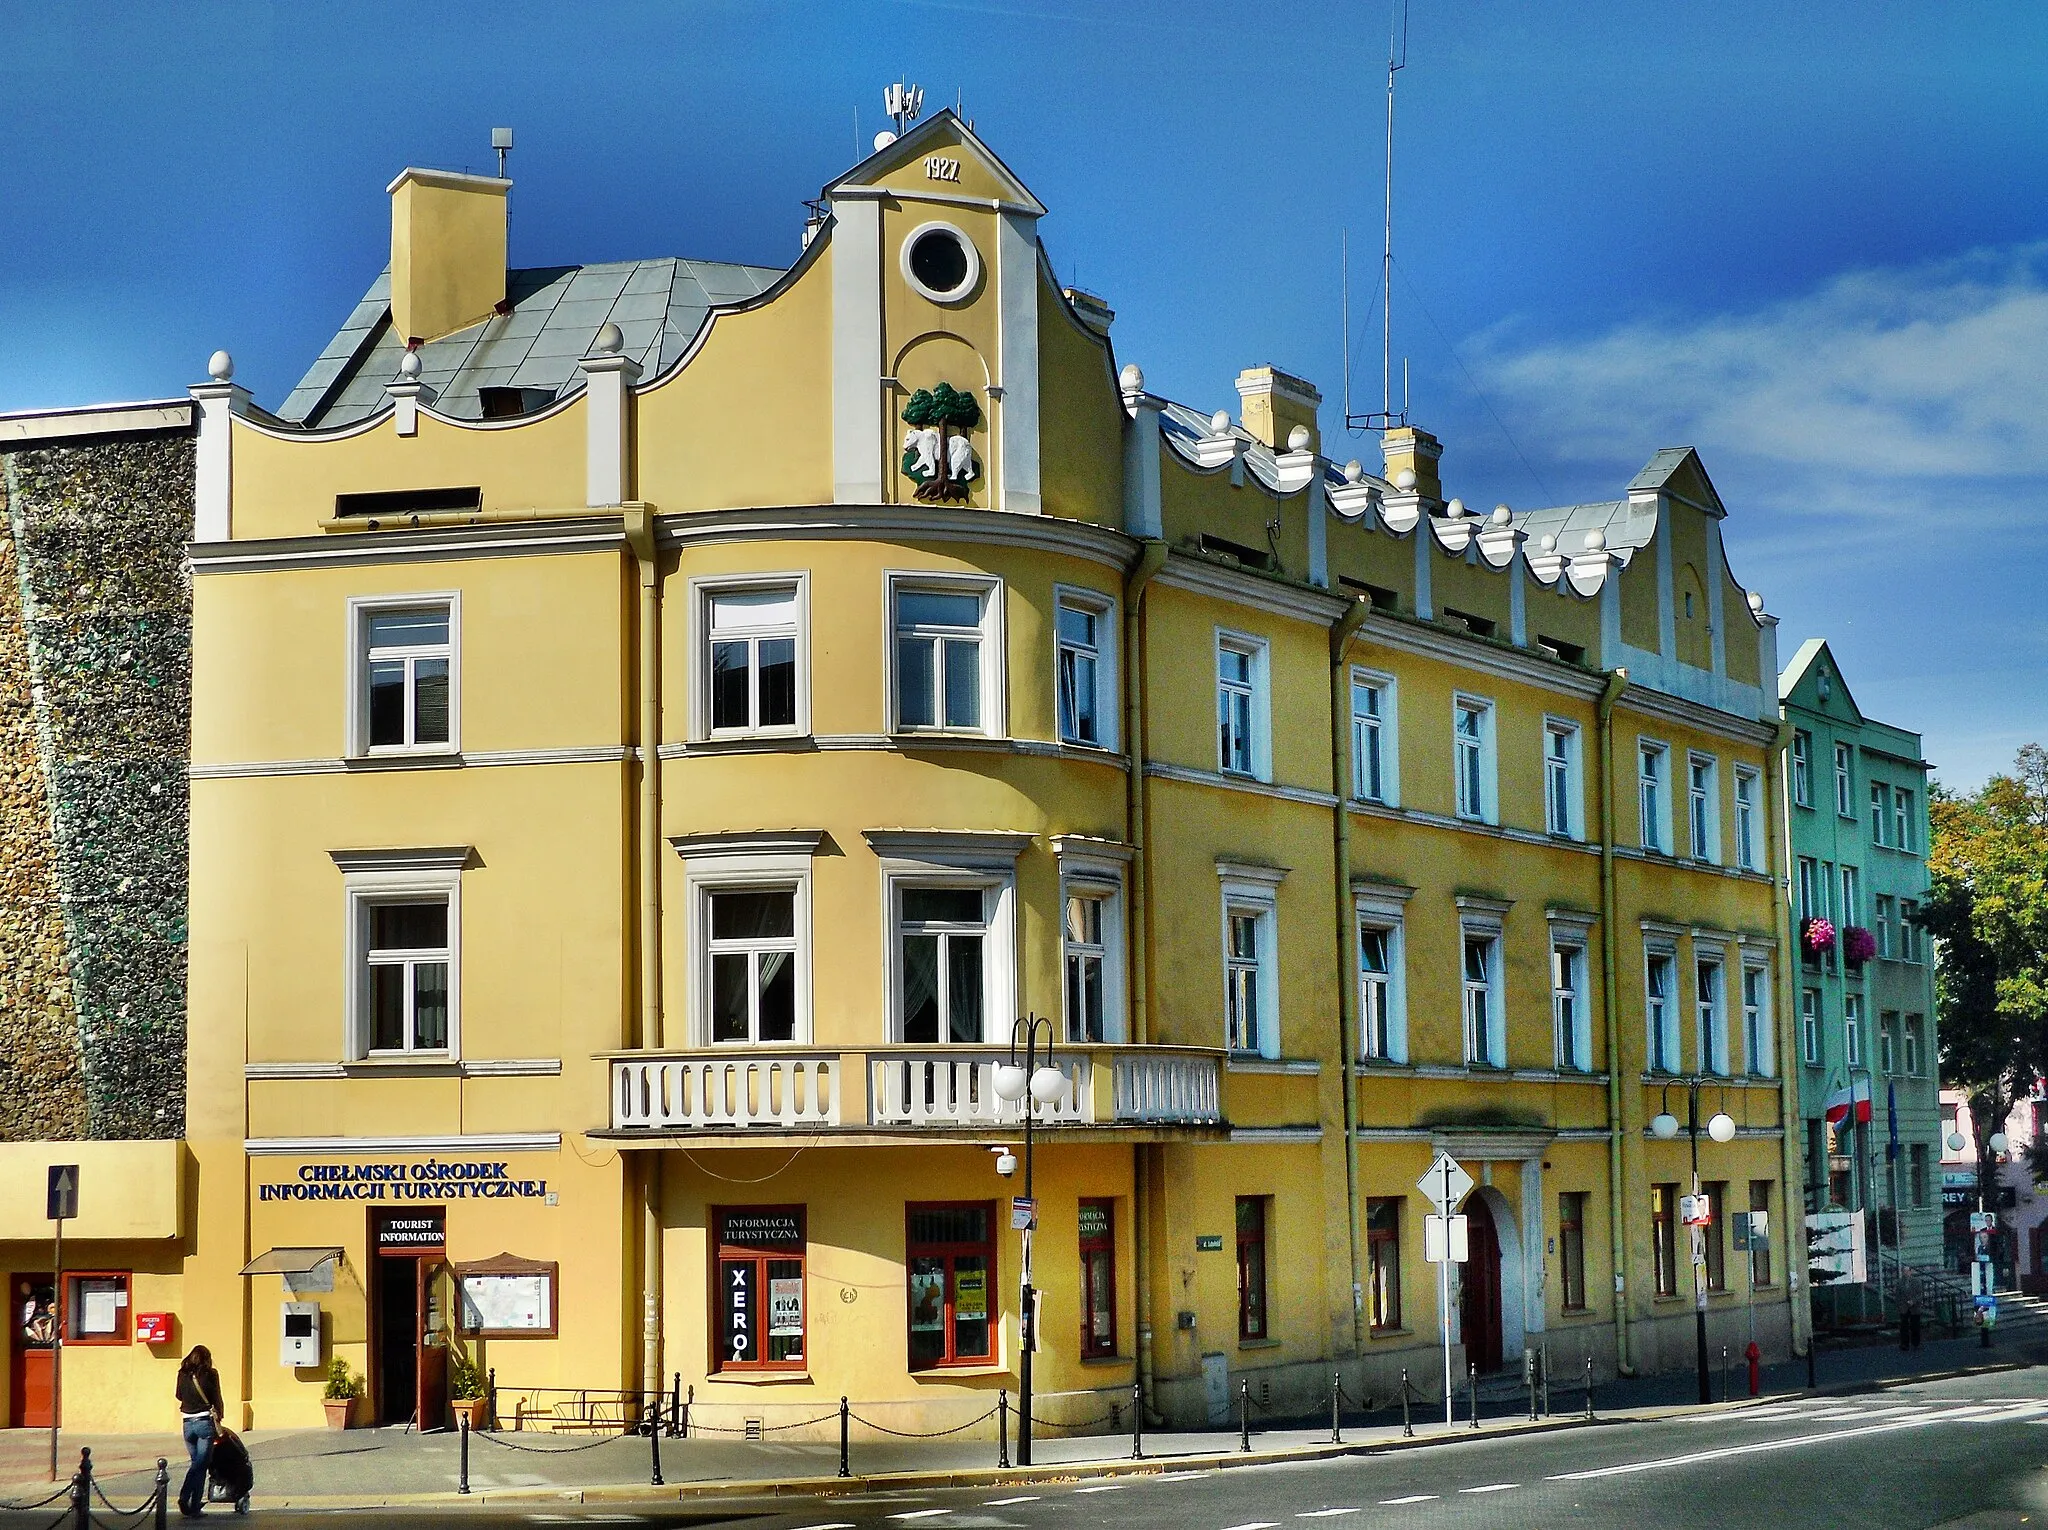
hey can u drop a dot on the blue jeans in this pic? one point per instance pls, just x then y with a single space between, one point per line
199 1446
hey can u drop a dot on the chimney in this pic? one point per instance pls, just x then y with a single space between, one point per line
1273 403
1411 449
448 249
1090 309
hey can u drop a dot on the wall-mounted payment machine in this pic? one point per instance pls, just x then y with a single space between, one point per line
301 1341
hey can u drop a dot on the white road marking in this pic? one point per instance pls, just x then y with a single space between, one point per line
920 1513
990 1503
1324 1513
837 1525
2006 1413
1889 1426
1492 1487
1107 1487
1258 1524
1411 1498
1178 1476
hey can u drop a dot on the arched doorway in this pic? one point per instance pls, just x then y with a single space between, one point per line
1479 1315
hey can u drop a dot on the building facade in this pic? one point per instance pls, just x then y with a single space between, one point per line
657 728
1857 806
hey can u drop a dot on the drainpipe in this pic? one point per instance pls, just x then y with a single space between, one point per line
640 537
1786 1006
1151 559
1347 991
1610 1006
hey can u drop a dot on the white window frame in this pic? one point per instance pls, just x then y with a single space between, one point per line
1095 869
1802 768
1880 810
1759 1038
1806 887
1852 1030
1653 814
1484 919
1748 842
1382 909
1703 807
702 591
1259 708
1387 725
1845 782
1104 609
1255 891
1566 771
373 877
994 667
1571 932
1889 1026
1810 1025
955 860
1487 809
1661 1034
1902 819
1710 1010
742 863
357 730
1852 895
1882 906
1913 1034
1909 932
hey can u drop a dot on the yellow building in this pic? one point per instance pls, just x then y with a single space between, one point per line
657 726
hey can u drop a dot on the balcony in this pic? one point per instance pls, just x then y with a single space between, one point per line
901 1090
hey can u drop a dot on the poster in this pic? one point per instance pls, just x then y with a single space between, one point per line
928 1299
102 1311
786 1308
507 1301
737 1280
970 1295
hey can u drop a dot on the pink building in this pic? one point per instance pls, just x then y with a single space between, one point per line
2021 1248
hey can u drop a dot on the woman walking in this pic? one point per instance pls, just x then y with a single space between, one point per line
199 1403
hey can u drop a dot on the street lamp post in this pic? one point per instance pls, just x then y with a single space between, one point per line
1722 1129
1035 1081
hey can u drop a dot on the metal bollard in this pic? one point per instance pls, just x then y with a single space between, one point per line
491 1406
675 1407
163 1493
1589 1389
1336 1430
1137 1421
1543 1377
1003 1427
1407 1427
1472 1386
654 1440
1724 1373
81 1491
462 1457
1244 1420
844 1471
1532 1396
689 1402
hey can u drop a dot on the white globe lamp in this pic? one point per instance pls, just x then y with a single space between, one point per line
1996 1142
1722 1127
1048 1085
1955 1142
1011 1081
1664 1126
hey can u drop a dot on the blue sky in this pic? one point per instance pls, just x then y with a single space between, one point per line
1811 239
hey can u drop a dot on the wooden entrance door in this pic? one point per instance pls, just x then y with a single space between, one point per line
1479 1295
431 1364
32 1331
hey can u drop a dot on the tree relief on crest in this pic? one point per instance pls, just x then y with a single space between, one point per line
938 450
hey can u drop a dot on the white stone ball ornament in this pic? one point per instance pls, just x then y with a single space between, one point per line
1297 439
220 366
1502 515
1132 378
1596 539
1354 471
1219 423
610 339
1405 480
409 365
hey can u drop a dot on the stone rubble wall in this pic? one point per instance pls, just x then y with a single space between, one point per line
95 732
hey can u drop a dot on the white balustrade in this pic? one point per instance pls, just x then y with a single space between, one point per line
1171 1088
722 1090
957 1088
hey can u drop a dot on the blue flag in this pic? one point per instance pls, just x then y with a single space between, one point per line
1891 1122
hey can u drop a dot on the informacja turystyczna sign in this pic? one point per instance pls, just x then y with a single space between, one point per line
434 1179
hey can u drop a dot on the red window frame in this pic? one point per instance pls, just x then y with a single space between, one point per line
948 1254
1383 1250
1664 1236
124 1325
1571 1249
755 1259
1098 1278
1254 1305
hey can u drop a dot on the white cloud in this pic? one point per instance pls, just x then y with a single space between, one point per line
1857 397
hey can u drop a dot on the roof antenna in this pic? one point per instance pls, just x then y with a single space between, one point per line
904 103
1386 418
501 140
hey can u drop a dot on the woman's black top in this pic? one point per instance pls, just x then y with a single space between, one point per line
199 1392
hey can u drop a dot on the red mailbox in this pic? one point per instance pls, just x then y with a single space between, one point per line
152 1328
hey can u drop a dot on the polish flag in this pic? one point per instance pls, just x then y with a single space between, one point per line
1852 1101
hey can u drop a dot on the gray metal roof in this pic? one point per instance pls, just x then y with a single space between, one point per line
1184 426
1627 528
554 314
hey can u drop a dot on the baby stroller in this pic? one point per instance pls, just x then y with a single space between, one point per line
229 1476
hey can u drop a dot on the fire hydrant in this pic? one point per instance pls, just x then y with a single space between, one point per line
1755 1357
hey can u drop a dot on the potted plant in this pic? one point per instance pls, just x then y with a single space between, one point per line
467 1394
343 1388
1817 936
1858 945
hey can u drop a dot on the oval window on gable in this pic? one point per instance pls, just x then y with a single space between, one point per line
940 262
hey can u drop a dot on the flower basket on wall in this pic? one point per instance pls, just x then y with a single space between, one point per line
1817 936
1858 945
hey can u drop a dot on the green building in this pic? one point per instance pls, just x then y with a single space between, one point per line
1864 1005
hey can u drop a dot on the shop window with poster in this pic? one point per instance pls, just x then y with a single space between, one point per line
1098 1279
760 1282
951 1258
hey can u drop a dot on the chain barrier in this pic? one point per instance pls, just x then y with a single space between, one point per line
904 1434
1111 1417
40 1503
699 1427
551 1450
146 1505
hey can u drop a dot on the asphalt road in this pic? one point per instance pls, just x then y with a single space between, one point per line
1970 1454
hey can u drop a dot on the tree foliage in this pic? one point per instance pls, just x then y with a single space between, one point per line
1987 908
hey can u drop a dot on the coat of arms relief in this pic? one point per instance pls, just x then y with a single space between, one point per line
938 459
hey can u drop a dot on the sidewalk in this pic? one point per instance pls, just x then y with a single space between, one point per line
380 1467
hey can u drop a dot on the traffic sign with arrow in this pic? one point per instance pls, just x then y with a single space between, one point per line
63 1199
